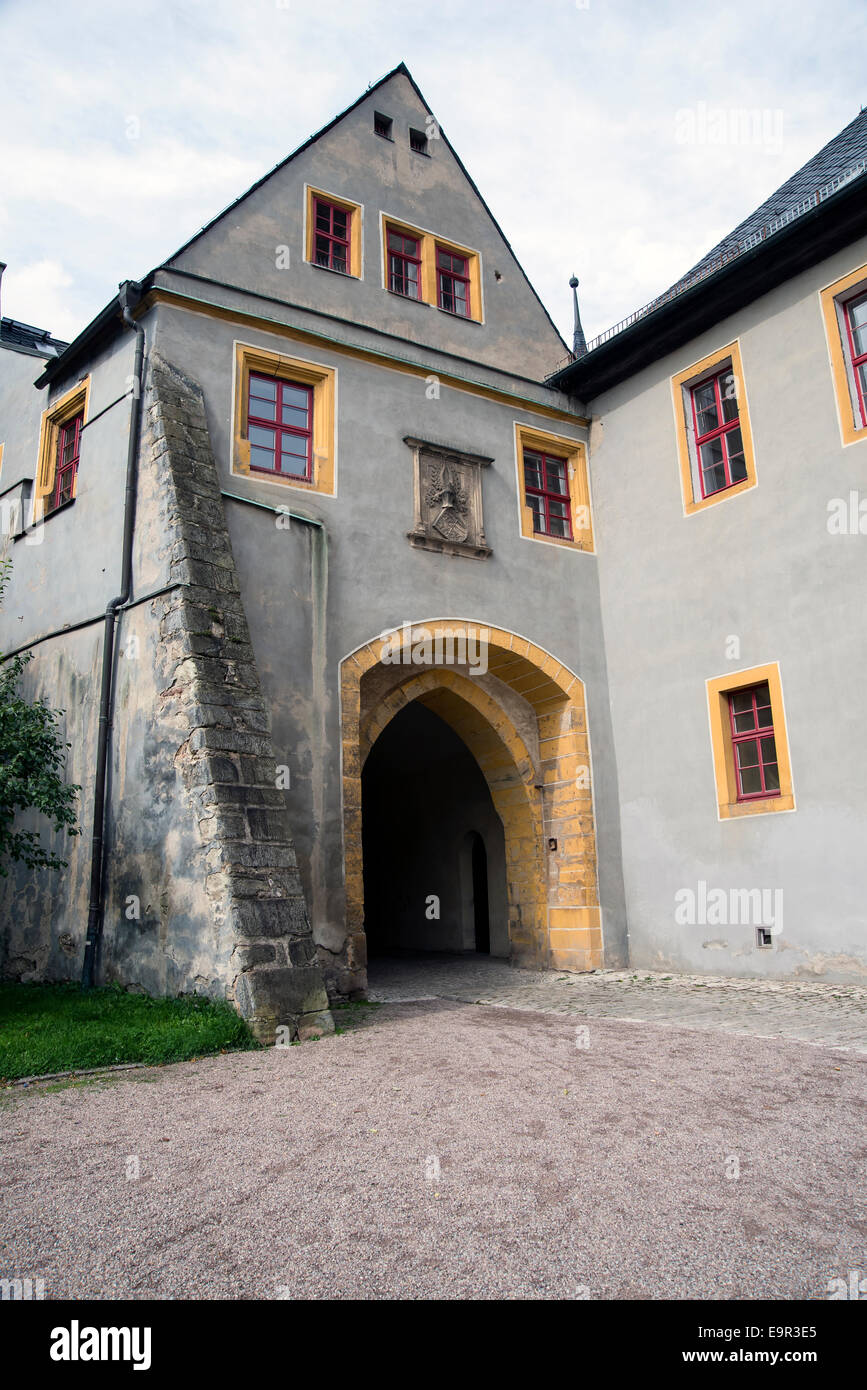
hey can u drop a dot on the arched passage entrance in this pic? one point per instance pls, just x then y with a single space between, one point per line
521 714
434 852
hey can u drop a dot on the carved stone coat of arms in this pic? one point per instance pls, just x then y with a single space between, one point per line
448 500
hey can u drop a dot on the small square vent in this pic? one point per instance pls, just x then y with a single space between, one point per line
418 141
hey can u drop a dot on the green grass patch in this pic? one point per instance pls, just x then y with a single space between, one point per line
48 1028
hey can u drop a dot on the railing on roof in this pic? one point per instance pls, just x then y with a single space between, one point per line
731 253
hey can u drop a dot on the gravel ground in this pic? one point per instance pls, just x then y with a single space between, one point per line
448 1150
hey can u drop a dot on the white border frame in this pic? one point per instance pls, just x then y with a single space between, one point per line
233 472
839 307
732 496
338 198
540 540
384 219
753 815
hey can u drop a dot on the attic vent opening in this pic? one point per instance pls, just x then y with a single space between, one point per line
418 141
382 125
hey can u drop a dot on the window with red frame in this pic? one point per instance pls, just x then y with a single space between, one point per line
546 483
331 235
856 323
280 426
718 441
66 466
453 283
404 264
755 748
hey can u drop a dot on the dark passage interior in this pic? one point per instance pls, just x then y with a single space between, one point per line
481 917
434 849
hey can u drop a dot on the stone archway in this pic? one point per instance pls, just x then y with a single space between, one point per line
523 718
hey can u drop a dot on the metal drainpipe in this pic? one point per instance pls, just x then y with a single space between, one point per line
128 296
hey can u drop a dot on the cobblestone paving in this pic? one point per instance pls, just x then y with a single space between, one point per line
805 1011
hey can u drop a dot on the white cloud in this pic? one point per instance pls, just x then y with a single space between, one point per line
39 294
564 116
104 182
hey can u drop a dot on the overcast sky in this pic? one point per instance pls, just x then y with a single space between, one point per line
603 135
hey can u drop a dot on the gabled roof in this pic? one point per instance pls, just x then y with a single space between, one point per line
820 208
108 317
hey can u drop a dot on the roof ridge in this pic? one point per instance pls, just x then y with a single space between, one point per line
281 163
400 68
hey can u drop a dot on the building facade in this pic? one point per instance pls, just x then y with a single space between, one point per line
374 630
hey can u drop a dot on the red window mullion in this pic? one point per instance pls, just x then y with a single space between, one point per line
330 236
725 427
460 277
756 734
404 260
66 468
397 263
856 360
280 429
546 496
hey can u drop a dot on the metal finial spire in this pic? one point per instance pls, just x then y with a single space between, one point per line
579 342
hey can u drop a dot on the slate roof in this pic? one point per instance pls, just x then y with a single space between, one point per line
819 209
845 152
23 337
839 163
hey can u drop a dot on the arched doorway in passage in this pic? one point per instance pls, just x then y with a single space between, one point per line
434 858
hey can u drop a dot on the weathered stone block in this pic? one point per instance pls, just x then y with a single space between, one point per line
302 951
282 995
267 825
270 917
261 953
213 697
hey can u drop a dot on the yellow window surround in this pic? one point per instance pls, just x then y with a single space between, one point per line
681 387
324 382
355 227
718 691
72 403
833 299
575 453
428 243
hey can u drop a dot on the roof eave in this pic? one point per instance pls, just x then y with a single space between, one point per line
107 321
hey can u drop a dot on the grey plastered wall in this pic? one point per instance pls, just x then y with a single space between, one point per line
375 579
63 573
43 915
67 571
202 890
761 567
313 595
